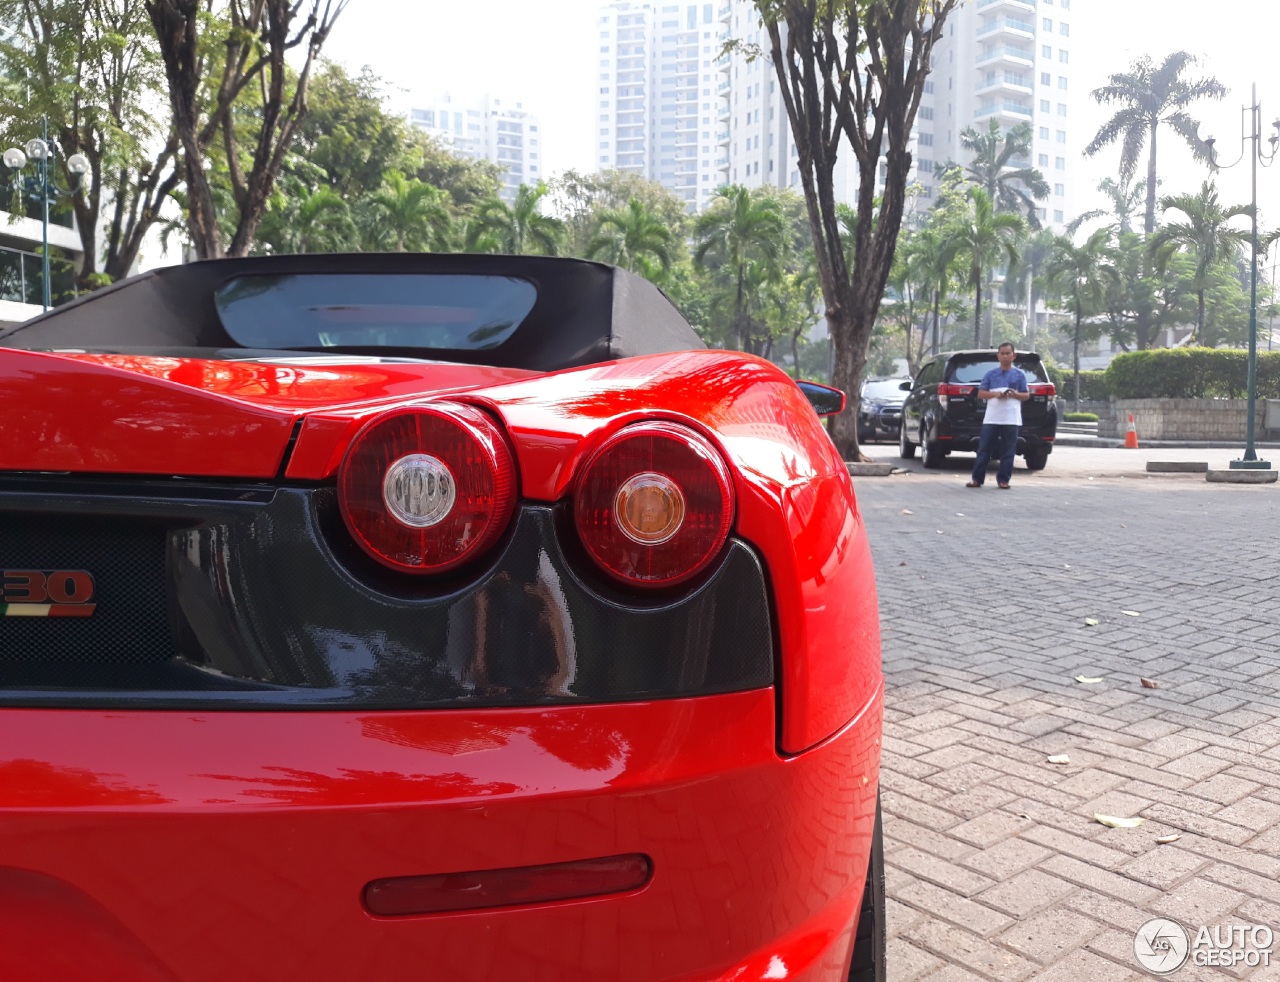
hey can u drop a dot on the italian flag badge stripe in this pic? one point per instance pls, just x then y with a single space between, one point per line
46 610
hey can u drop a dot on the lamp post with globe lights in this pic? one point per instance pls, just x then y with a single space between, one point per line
1256 155
41 152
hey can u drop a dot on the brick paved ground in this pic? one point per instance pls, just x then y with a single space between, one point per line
996 869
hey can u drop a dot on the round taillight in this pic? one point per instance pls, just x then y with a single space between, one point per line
653 505
427 489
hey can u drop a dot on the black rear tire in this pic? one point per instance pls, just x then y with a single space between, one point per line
906 449
1036 459
870 945
930 454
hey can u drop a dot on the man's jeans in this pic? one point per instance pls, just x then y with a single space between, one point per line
997 440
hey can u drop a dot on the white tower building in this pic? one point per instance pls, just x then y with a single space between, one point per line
487 129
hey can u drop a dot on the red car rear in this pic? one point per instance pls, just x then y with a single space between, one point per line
454 616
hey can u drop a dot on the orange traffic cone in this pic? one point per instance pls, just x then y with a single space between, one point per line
1131 435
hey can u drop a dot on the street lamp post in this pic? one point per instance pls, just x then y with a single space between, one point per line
41 152
1254 109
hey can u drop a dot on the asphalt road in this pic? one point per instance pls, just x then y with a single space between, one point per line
997 868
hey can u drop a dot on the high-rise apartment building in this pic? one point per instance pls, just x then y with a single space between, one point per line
660 94
486 129
1007 60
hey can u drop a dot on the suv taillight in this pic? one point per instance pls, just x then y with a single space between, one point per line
427 489
1042 389
947 389
653 505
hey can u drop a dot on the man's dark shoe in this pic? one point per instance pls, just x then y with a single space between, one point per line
974 484
1003 487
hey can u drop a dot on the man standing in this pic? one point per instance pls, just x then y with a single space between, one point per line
1005 390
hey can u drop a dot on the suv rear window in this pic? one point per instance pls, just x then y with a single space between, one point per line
972 370
370 310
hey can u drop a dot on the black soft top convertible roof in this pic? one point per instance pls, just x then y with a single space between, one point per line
585 312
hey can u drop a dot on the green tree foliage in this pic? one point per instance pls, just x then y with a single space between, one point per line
516 229
1144 300
466 181
91 67
1148 95
406 215
309 221
1205 233
1001 167
1080 274
741 242
580 199
634 238
982 238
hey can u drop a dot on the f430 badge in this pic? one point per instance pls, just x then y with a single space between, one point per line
46 593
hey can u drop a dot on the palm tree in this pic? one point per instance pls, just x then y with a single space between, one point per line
1025 278
636 239
995 168
407 214
1082 274
933 265
517 229
1206 233
1125 198
1149 95
318 222
743 235
980 238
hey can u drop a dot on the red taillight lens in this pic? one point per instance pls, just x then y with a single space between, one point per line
951 389
427 489
654 504
1042 389
407 895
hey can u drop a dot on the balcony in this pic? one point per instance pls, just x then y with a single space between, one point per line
1007 25
1013 6
1006 54
1004 108
1004 82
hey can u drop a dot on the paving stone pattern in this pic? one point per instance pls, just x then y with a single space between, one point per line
996 867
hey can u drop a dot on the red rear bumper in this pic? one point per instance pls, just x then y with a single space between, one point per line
236 845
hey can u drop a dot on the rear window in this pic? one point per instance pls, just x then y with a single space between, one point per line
363 310
969 371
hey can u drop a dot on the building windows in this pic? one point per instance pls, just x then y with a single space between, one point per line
1046 50
1064 30
1042 214
1045 78
926 139
1044 132
1059 163
924 166
1062 82
1042 160
1062 136
1062 109
1057 215
928 88
1044 105
926 112
1059 190
1062 55
1047 24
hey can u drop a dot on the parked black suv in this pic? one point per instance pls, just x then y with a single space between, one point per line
943 412
880 407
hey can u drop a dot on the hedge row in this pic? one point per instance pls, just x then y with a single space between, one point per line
1189 373
1093 385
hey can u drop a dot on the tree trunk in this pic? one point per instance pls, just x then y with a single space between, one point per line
1075 353
850 337
937 313
1200 318
977 307
1150 225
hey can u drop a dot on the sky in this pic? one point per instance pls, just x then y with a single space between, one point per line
542 53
